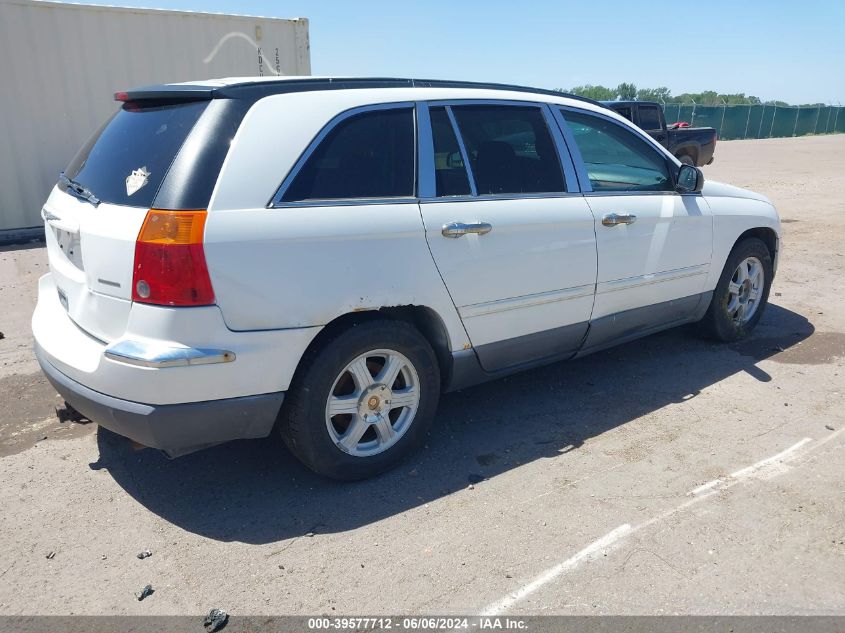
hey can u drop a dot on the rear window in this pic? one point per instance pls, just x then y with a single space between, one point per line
369 155
649 118
127 159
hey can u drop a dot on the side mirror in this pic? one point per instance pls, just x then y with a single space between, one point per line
690 179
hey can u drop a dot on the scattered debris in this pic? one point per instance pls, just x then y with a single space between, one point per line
829 427
145 554
215 620
309 534
146 590
103 557
778 294
50 555
2 336
471 487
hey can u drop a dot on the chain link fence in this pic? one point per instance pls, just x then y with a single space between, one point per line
759 121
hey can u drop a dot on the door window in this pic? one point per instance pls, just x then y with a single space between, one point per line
449 170
615 158
649 117
368 155
510 149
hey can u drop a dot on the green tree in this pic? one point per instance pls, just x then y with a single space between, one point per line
598 93
626 92
654 94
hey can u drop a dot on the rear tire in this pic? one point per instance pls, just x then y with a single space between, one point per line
362 400
741 293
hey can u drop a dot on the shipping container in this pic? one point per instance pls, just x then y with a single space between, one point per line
60 65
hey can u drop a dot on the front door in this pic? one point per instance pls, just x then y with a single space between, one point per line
516 250
654 245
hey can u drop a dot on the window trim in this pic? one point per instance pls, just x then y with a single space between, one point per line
277 202
426 162
473 187
581 167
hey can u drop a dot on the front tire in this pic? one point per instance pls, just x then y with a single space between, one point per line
362 400
741 293
686 159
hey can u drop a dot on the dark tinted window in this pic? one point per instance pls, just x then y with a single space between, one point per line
127 159
368 155
626 112
510 149
649 117
449 170
617 159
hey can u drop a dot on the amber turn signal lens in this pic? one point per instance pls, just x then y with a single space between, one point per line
173 227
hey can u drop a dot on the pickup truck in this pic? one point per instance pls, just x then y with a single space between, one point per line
690 145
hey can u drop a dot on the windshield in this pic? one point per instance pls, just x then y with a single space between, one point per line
126 160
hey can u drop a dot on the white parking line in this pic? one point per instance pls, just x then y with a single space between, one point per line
596 547
770 466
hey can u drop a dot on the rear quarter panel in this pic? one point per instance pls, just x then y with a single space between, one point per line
303 266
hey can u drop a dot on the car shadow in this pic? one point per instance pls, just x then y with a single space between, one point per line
256 492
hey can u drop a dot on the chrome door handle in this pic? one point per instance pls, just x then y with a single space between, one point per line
457 229
612 219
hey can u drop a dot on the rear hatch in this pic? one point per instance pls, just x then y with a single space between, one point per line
93 216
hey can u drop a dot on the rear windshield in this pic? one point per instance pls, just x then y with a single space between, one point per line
126 160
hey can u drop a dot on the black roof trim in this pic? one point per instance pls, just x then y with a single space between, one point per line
257 89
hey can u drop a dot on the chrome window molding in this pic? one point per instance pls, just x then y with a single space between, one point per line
502 196
345 202
559 113
277 200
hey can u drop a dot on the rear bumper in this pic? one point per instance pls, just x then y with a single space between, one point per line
176 429
167 356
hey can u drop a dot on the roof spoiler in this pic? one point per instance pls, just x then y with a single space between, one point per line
166 92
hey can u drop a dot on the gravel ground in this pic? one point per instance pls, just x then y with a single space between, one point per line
669 475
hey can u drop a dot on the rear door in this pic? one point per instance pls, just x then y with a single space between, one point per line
654 244
512 237
92 225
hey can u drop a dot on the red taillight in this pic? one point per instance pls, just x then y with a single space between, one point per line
121 96
170 266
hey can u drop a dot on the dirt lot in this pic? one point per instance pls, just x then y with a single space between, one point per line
670 475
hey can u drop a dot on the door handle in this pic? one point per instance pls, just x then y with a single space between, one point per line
612 219
457 229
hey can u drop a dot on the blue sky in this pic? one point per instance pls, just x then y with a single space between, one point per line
780 49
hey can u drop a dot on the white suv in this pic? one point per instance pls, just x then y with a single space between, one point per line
326 256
